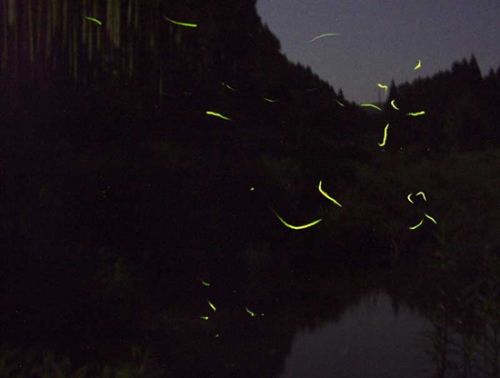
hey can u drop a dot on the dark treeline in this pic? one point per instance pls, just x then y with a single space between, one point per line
460 108
118 192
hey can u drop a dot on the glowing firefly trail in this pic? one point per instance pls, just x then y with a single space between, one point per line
423 195
371 106
252 314
393 104
416 114
215 114
385 136
419 64
296 227
95 20
205 283
211 305
185 24
270 100
323 36
431 218
408 197
417 225
338 102
204 317
383 86
327 196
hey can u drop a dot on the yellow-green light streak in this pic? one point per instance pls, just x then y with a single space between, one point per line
419 64
408 197
212 305
338 102
423 195
185 24
94 20
228 87
371 106
417 225
204 317
327 196
382 144
218 115
205 283
383 86
323 36
393 104
431 218
416 114
252 314
296 227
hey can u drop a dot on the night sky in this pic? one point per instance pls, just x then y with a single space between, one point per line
383 40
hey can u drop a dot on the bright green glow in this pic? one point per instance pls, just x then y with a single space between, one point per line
423 195
327 196
252 314
431 218
393 104
371 106
211 305
252 189
383 86
270 100
408 197
205 283
419 64
382 144
215 114
416 114
296 227
417 225
323 36
95 20
185 24
338 102
204 317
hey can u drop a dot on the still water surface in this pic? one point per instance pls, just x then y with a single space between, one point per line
371 339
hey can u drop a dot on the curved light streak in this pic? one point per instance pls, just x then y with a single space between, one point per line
416 114
371 106
422 194
94 20
419 64
393 104
302 227
327 196
179 23
382 144
417 225
431 218
218 115
408 197
323 36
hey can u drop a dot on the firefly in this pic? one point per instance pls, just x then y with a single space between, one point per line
383 86
393 104
252 314
215 114
431 218
423 195
211 305
385 136
323 36
371 106
416 114
338 102
297 227
408 197
270 100
205 283
417 225
327 196
419 64
204 317
185 24
95 20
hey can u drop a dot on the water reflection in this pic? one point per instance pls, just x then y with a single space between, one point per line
371 339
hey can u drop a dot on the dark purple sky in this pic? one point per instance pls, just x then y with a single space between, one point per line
383 39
